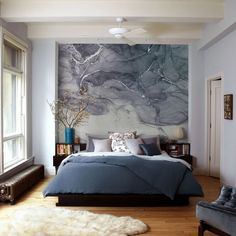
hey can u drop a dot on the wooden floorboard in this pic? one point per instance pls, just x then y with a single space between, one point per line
178 221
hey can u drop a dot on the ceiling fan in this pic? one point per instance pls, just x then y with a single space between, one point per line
122 32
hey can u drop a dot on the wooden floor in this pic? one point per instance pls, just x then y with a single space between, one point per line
178 221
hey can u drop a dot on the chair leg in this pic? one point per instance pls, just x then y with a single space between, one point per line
201 229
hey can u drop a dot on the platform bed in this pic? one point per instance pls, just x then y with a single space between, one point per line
122 180
120 200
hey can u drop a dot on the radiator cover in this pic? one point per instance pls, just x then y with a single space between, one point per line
18 184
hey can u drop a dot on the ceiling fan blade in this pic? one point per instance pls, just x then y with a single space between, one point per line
137 31
128 41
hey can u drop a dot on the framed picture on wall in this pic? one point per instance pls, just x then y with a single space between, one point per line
228 106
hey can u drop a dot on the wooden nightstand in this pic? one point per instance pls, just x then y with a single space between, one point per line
180 151
58 158
187 158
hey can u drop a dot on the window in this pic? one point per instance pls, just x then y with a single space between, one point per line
13 104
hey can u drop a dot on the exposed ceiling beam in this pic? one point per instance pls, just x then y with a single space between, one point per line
106 10
154 33
165 21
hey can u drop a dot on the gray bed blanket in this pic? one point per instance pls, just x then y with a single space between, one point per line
80 174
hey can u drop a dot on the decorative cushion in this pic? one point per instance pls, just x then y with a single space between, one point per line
102 145
151 139
222 212
118 141
90 137
150 149
133 146
227 197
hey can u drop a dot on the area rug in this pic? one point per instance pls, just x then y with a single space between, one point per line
42 221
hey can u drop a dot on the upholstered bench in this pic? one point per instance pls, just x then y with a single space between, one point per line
16 185
219 216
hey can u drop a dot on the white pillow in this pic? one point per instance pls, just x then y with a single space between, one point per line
90 137
102 145
118 141
133 146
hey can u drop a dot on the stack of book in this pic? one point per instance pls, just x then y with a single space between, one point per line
64 149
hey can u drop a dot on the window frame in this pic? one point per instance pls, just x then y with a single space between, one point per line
23 72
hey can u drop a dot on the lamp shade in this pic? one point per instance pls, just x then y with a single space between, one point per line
179 133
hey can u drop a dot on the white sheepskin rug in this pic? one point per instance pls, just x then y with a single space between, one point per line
42 221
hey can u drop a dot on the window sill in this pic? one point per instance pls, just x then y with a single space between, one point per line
17 168
14 165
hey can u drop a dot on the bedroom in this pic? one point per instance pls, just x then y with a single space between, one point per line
208 27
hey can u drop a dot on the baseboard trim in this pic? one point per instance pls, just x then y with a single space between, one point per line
198 171
50 171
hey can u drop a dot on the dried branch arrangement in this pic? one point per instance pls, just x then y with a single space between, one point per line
67 112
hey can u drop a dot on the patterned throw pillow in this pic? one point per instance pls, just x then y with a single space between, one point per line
118 143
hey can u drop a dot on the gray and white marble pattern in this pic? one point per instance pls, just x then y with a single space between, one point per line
152 79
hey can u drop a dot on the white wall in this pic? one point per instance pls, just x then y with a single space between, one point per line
196 109
220 60
217 52
43 90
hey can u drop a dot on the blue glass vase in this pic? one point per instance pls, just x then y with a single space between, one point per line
69 135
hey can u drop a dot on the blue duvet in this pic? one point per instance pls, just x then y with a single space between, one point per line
122 175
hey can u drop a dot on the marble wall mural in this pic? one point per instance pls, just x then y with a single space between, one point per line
148 80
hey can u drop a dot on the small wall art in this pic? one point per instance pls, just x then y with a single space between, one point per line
228 106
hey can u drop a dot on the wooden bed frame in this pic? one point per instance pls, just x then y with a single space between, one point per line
120 200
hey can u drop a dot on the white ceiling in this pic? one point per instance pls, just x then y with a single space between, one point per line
165 21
